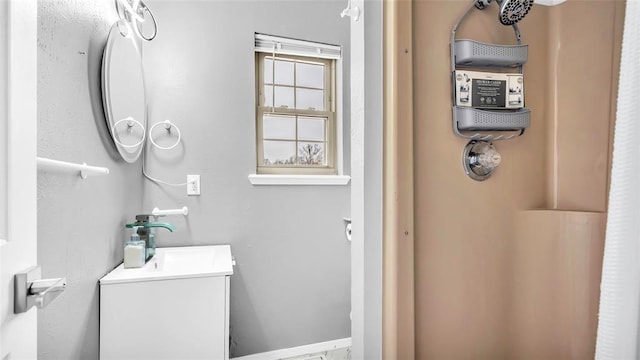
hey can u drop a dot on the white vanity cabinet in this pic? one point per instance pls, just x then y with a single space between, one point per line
175 307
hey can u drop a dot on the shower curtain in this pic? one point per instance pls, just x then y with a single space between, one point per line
619 316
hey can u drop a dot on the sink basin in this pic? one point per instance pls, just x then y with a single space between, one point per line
177 263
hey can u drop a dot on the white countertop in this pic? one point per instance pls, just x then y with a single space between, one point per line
177 263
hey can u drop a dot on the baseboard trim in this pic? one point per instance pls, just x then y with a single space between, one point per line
298 350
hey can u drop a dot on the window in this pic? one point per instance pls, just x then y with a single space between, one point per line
296 122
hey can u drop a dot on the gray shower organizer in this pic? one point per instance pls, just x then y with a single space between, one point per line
482 124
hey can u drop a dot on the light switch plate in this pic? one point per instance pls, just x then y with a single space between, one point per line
193 184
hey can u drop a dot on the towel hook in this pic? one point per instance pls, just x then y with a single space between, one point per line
352 12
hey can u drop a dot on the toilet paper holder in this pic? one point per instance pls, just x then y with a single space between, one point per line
347 228
30 289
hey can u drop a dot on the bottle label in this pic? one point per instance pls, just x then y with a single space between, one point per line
489 90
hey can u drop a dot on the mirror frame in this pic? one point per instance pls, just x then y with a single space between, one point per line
115 32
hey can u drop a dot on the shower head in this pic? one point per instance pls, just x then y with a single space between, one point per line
511 11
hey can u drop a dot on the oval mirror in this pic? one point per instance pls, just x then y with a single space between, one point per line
123 92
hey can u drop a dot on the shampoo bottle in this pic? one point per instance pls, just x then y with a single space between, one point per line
134 252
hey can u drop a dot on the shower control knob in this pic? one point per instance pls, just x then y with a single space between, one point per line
480 159
490 159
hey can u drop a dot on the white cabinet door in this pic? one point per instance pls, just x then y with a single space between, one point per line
18 178
165 319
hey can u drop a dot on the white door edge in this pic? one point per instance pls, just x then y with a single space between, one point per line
18 333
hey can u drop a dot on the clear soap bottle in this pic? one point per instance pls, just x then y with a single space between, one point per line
134 252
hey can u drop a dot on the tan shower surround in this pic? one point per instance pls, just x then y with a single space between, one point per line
508 268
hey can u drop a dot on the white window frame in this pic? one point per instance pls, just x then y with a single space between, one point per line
328 113
299 174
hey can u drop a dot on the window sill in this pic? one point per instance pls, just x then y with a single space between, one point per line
268 179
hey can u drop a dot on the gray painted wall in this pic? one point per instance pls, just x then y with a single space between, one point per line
80 222
373 191
291 283
3 116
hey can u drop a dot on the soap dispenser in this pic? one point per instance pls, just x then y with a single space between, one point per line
134 252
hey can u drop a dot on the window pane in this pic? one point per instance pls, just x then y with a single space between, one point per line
279 153
268 71
295 135
279 127
309 75
311 153
309 99
311 128
284 96
284 72
268 95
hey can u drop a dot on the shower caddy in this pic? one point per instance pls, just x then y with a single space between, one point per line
482 124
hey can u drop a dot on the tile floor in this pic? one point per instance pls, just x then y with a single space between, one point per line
337 354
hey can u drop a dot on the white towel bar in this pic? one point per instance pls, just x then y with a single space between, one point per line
157 212
84 169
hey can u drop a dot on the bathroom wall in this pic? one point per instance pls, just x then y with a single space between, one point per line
556 265
291 284
370 178
461 232
3 124
581 98
467 242
80 222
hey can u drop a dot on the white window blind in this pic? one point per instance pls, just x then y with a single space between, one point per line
287 46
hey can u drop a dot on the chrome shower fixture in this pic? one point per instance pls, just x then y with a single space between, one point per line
511 11
480 159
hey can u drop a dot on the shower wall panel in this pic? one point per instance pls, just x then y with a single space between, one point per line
556 267
584 43
466 234
463 227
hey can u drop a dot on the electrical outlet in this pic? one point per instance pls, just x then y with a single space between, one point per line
193 184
